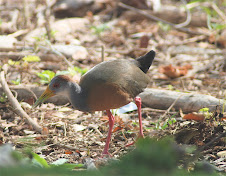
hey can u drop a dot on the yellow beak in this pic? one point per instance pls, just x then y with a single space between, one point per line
47 94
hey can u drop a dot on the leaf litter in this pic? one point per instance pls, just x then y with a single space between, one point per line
74 135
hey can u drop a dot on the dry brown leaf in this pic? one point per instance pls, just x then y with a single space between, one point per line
144 40
68 152
194 116
175 71
45 131
117 129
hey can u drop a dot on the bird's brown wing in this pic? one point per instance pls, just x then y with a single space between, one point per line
113 84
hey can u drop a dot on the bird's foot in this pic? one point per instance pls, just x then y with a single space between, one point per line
106 154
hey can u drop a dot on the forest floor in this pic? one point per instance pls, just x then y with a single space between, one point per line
185 62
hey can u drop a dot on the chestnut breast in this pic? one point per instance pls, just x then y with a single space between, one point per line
112 84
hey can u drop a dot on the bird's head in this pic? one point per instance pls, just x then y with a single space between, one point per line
57 86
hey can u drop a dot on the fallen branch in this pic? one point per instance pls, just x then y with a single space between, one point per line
188 102
17 106
152 98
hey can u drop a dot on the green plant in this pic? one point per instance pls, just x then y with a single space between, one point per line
73 71
38 161
3 98
170 87
167 123
46 76
42 40
211 11
31 58
99 29
11 62
26 60
16 82
163 26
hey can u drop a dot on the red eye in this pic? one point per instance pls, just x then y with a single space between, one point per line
56 85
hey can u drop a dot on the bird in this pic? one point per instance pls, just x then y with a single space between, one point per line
108 85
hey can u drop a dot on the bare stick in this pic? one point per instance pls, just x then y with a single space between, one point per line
17 106
102 53
188 19
167 111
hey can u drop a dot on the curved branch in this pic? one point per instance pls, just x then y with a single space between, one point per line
188 19
16 105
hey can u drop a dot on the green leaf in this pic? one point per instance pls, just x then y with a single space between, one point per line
204 110
41 161
67 166
170 87
3 98
31 58
16 82
164 27
173 120
11 62
64 72
99 29
218 26
46 76
80 70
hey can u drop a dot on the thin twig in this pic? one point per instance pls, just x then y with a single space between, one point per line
16 104
47 13
158 19
167 111
188 19
220 13
102 53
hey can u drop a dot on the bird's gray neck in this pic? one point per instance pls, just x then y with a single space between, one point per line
77 97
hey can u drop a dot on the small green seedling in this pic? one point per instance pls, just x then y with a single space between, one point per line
16 82
164 27
60 163
99 29
46 76
11 62
73 71
31 58
3 98
166 124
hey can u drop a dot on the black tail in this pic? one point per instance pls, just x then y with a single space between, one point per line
144 62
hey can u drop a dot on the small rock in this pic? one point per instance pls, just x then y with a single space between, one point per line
63 29
72 51
6 157
222 154
7 41
77 127
89 163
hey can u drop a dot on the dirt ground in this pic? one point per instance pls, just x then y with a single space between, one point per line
76 135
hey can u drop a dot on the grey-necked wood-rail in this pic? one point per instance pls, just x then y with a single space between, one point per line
108 85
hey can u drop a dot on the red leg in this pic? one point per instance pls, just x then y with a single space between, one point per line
138 103
111 124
